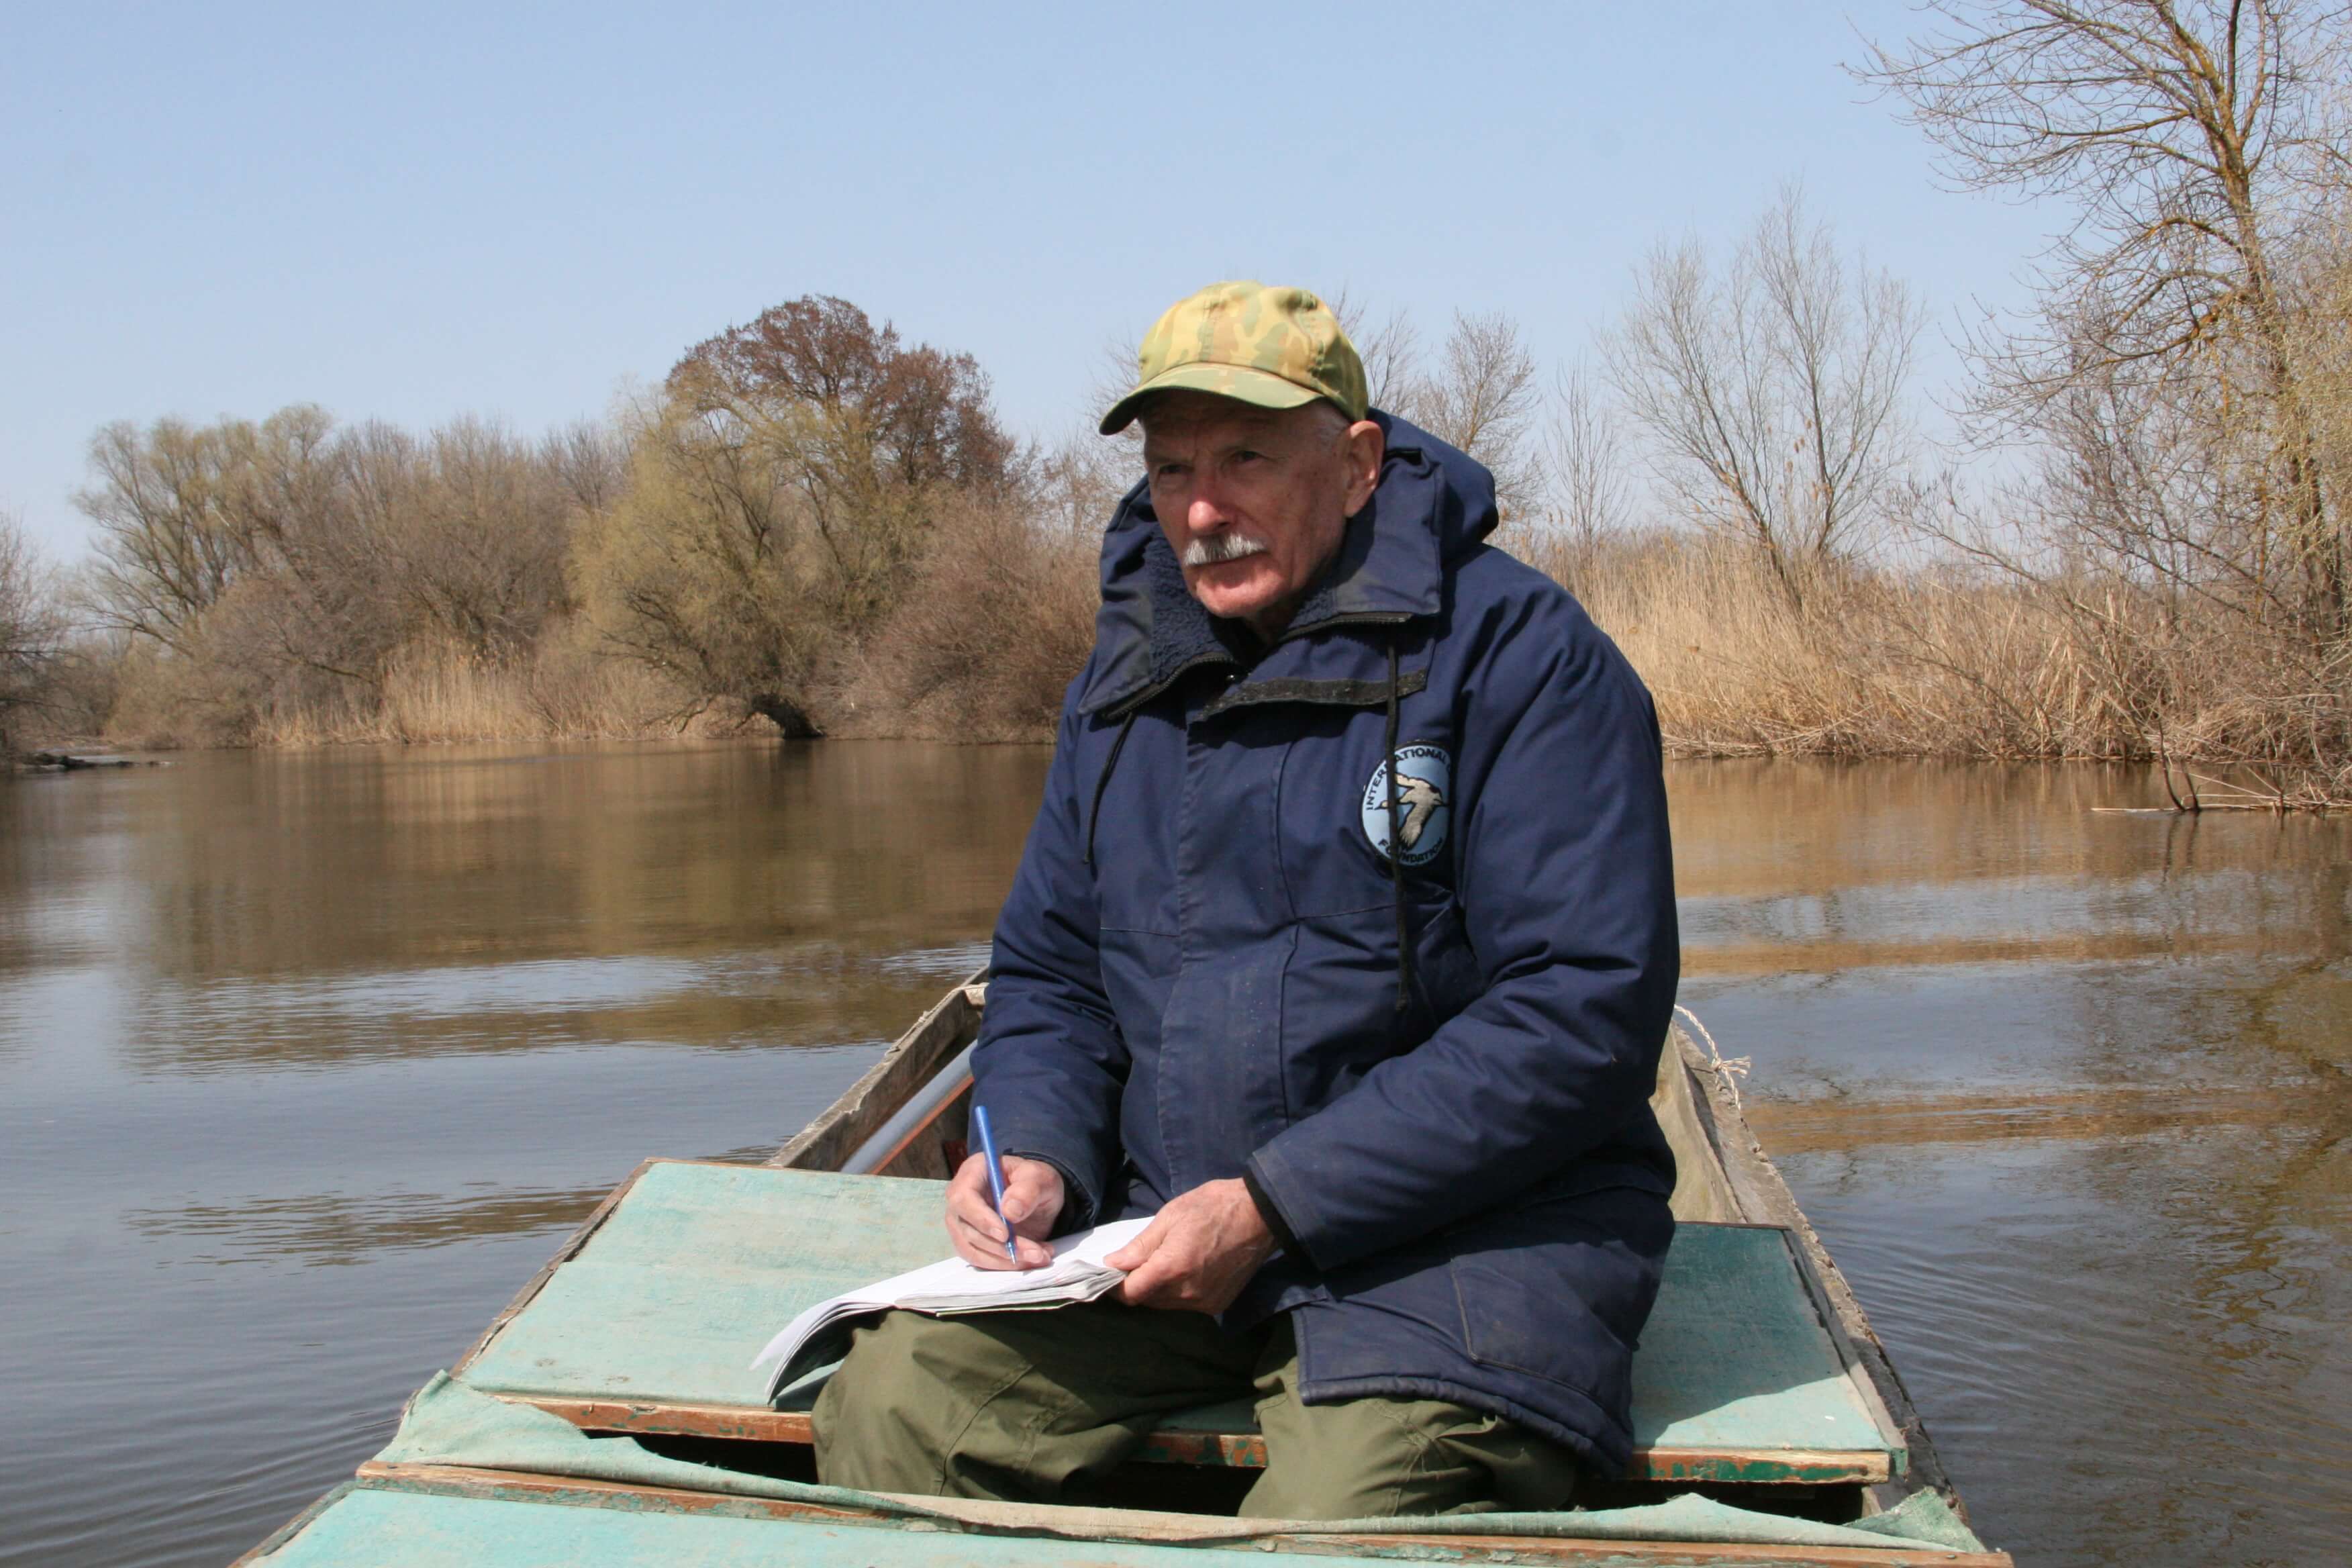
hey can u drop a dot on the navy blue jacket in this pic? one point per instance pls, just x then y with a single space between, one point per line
1197 973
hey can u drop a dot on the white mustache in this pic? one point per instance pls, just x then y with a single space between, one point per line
1219 548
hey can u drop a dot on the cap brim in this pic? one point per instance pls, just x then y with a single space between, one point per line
1243 383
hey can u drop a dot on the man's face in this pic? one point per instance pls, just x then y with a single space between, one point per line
1253 501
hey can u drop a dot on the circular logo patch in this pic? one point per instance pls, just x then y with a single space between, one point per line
1425 804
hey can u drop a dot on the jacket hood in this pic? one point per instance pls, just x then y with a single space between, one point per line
1433 505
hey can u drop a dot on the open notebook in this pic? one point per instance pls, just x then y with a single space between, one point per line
820 1334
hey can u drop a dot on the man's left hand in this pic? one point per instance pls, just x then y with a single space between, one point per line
1197 1253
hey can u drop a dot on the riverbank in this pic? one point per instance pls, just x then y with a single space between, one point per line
1869 664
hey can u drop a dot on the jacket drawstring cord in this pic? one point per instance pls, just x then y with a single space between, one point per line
1396 847
1094 814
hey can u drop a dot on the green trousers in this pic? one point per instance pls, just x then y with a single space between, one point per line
1035 1406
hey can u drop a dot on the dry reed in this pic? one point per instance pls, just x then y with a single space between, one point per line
1932 661
430 693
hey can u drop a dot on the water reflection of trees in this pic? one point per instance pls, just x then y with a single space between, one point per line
318 907
1786 866
333 1228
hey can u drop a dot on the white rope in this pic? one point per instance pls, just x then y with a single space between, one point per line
1729 1069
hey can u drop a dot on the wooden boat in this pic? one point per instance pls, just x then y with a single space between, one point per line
1761 1383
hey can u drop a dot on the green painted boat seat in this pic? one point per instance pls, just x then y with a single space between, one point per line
648 1321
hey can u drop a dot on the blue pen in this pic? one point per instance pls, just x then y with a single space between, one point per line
995 1177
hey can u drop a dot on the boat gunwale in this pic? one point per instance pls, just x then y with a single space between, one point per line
301 1521
1762 1191
858 1111
1141 1527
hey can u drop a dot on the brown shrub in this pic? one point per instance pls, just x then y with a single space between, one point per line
1000 619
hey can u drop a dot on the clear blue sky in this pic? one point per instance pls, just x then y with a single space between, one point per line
417 211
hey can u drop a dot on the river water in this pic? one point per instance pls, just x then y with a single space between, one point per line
308 1061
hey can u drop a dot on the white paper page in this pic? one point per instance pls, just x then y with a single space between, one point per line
1093 1245
954 1281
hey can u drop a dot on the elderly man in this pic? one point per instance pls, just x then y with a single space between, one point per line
1344 946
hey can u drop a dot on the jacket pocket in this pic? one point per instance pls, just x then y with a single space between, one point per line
1559 1290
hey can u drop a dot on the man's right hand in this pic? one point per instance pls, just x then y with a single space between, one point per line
1032 1202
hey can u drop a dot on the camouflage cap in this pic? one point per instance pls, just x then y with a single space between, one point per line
1276 348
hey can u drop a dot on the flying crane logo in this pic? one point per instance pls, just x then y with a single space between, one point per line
1425 804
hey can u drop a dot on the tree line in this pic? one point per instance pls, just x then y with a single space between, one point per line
814 526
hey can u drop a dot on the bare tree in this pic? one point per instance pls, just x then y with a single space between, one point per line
167 548
2195 140
1584 449
32 628
1483 397
1773 394
1114 375
590 461
1390 349
2181 373
481 537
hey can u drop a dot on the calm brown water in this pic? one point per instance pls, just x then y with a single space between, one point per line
307 1063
